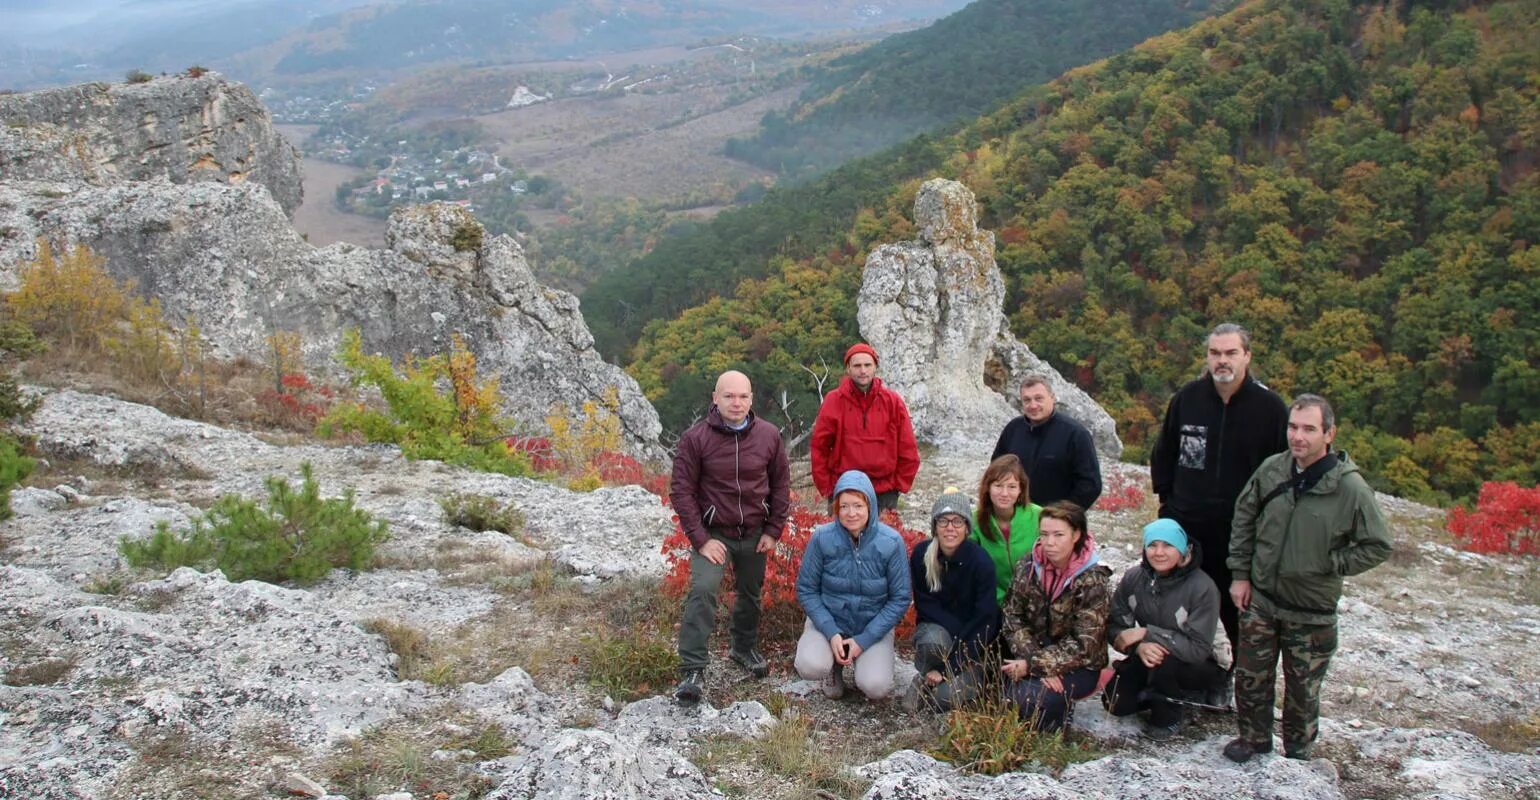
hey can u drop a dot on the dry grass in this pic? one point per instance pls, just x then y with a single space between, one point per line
431 754
227 393
180 764
43 672
1515 734
800 762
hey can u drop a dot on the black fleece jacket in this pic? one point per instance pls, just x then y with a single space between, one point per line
1208 448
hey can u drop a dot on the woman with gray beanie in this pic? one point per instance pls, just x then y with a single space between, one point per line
955 611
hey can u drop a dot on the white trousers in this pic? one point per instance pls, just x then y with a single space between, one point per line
874 667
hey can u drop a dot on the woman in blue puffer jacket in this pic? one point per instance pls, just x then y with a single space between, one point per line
854 585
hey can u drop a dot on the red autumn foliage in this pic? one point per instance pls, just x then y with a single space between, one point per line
542 455
300 405
1121 493
618 468
782 622
1506 519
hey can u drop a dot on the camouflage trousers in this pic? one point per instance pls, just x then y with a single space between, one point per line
1306 651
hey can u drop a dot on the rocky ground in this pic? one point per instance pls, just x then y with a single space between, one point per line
125 685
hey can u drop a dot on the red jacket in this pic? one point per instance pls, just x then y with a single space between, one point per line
869 431
735 482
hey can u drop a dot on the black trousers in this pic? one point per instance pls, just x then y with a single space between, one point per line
1170 678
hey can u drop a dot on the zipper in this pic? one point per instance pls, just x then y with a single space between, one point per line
737 477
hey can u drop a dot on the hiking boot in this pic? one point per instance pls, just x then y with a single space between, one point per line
688 690
1240 751
1298 752
834 685
751 660
1165 720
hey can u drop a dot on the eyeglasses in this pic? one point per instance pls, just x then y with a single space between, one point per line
951 522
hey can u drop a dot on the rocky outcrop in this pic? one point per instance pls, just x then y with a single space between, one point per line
227 256
933 308
262 685
183 129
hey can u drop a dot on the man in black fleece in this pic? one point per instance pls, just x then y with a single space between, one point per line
1217 431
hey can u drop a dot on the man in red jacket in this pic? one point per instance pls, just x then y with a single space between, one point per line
864 425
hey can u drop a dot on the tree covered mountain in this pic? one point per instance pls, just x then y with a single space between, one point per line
1354 181
960 67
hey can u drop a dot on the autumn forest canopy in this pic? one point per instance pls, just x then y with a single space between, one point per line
1354 182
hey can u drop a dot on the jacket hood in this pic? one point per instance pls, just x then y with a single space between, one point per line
857 480
1328 482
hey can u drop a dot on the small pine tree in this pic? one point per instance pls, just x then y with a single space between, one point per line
295 536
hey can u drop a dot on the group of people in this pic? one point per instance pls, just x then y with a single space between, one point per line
1259 522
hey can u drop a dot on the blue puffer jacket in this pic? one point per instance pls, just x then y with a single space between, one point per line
855 586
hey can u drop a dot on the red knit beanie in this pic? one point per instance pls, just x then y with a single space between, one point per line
861 347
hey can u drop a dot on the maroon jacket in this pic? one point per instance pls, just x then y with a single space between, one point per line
737 483
869 431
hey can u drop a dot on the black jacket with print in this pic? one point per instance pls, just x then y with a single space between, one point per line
1208 448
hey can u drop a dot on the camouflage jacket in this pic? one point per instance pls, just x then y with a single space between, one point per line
1067 634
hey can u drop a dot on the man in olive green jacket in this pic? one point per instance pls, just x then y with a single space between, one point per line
1304 520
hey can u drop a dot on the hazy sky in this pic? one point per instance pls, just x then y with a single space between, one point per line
30 17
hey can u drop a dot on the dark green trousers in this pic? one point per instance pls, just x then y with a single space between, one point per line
700 606
1306 651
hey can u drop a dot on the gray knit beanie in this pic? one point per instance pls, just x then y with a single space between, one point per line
952 501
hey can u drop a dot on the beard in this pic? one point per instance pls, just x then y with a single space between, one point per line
1227 377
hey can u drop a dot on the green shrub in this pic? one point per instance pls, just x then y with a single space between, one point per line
481 513
296 536
137 76
14 468
630 664
458 425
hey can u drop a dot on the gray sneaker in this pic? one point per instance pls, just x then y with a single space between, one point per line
688 690
751 660
834 685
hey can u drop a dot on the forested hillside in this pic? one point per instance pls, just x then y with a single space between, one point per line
960 67
1353 181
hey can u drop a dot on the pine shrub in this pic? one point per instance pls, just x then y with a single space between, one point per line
296 536
14 468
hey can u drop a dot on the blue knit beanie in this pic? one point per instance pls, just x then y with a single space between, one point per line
1168 531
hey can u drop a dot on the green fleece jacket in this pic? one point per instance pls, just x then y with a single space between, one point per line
1297 549
1006 552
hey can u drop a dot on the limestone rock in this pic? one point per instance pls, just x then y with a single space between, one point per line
933 310
182 129
228 257
183 186
597 765
659 721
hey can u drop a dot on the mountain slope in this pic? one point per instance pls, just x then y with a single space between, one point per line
1354 182
960 67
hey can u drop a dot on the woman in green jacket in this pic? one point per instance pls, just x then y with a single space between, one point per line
1006 521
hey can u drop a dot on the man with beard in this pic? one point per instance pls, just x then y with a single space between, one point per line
1218 430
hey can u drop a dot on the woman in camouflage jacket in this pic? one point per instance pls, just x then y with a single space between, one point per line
1055 619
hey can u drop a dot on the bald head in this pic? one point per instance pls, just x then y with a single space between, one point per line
733 397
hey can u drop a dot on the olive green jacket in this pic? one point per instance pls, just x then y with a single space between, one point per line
1297 550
